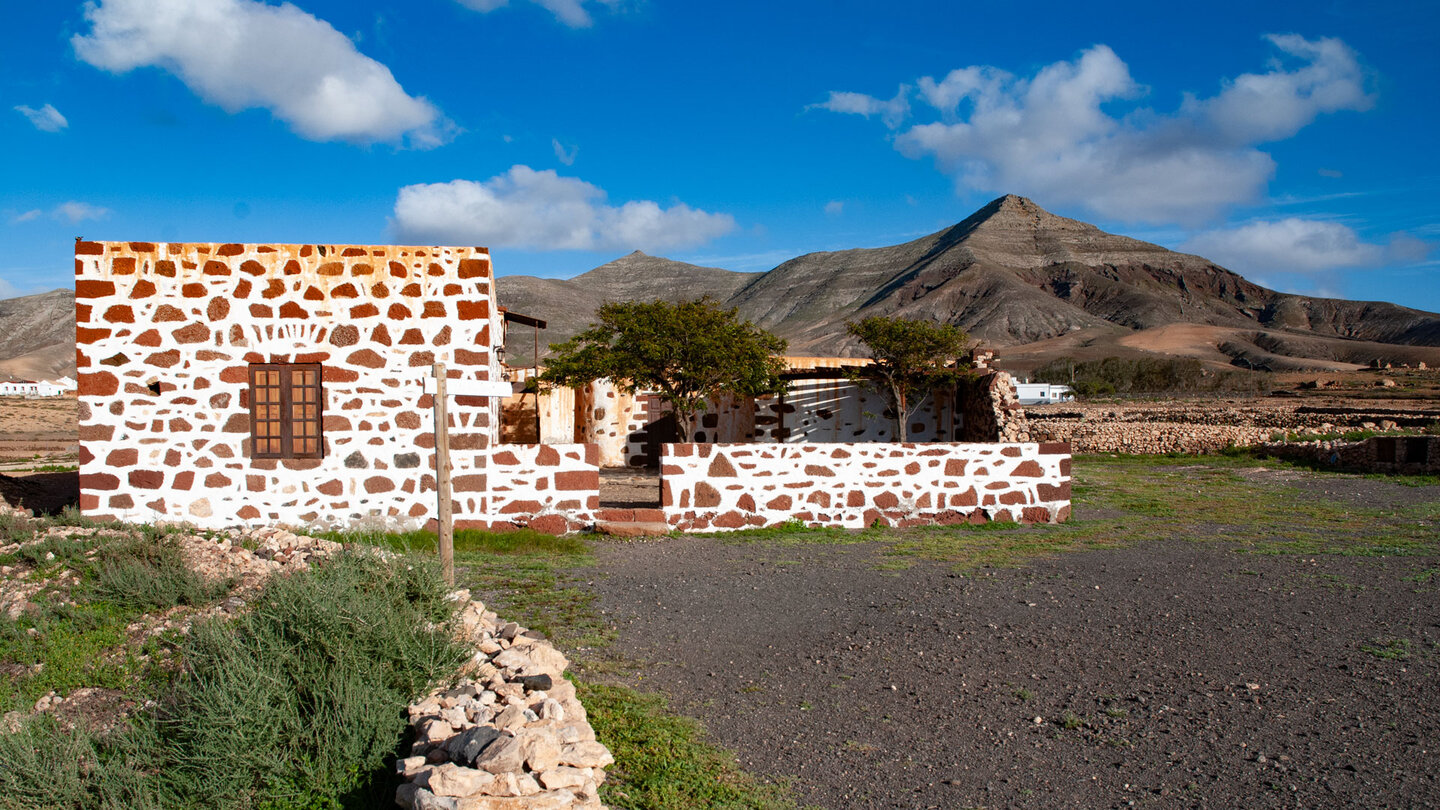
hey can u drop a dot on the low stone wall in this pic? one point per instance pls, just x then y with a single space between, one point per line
1404 455
710 487
510 734
552 488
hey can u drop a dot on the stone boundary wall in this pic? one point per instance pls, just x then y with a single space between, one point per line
710 487
164 337
510 734
1402 455
1149 438
551 488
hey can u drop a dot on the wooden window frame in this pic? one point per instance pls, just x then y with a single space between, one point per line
282 433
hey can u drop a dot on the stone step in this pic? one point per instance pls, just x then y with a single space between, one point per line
631 515
617 528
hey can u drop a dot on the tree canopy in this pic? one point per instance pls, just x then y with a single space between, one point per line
911 358
691 352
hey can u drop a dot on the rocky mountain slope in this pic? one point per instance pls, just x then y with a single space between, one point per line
1013 274
37 335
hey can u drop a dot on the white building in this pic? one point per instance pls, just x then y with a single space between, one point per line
1043 393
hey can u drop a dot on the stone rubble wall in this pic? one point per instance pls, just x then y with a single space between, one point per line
552 488
510 735
1205 427
165 333
1404 455
709 487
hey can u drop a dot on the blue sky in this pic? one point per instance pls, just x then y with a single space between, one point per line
1292 142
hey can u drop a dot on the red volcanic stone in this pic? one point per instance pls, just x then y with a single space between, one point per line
819 471
820 498
913 468
955 466
720 467
121 502
442 338
96 433
218 309
84 335
165 268
290 309
398 270
217 480
1014 498
1054 448
418 359
521 508
473 268
434 309
252 267
1053 492
1035 514
166 314
193 333
364 311
578 479
547 456
379 290
312 293
781 502
730 520
247 512
261 311
855 498
193 290
101 481
122 266
411 421
412 337
410 291
331 269
235 374
98 384
354 251
89 249
89 503
345 335
472 483
346 290
746 503
1028 469
368 358
332 488
473 310
178 425
706 496
435 269
274 289
214 268
887 500
549 524
998 485
380 335
967 498
465 357
292 268
230 249
150 337
144 288
872 516
398 312
1002 516
1065 466
82 313
89 288
333 374
124 457
361 269
378 483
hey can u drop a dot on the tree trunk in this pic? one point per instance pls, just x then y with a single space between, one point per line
900 415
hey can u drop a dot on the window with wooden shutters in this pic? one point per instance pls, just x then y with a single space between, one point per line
285 410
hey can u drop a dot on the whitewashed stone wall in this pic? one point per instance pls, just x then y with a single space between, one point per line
708 487
165 334
549 488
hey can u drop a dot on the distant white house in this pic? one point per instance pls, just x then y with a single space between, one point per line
1043 393
32 388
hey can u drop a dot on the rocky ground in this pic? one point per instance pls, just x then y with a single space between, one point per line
1165 673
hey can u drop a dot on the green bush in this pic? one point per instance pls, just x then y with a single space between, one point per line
1118 375
295 703
149 573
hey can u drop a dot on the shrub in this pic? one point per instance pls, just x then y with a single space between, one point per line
1118 375
149 573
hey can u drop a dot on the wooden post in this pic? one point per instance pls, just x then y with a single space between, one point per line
446 527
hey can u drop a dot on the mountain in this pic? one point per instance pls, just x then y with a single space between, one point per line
568 305
37 335
1013 274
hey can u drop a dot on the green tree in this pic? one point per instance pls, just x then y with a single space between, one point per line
910 359
690 352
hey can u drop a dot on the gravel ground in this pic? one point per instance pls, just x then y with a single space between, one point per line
1171 674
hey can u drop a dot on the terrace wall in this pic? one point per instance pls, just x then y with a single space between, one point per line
709 487
166 332
552 488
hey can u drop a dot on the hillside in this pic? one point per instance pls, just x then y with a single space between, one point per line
37 335
1013 274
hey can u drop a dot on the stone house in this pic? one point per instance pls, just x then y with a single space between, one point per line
227 383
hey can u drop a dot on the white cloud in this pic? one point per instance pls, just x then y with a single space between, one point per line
1295 245
69 211
8 290
541 210
891 112
570 12
45 119
1049 136
242 54
834 208
566 157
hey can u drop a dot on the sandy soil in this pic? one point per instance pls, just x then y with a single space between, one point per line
38 432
